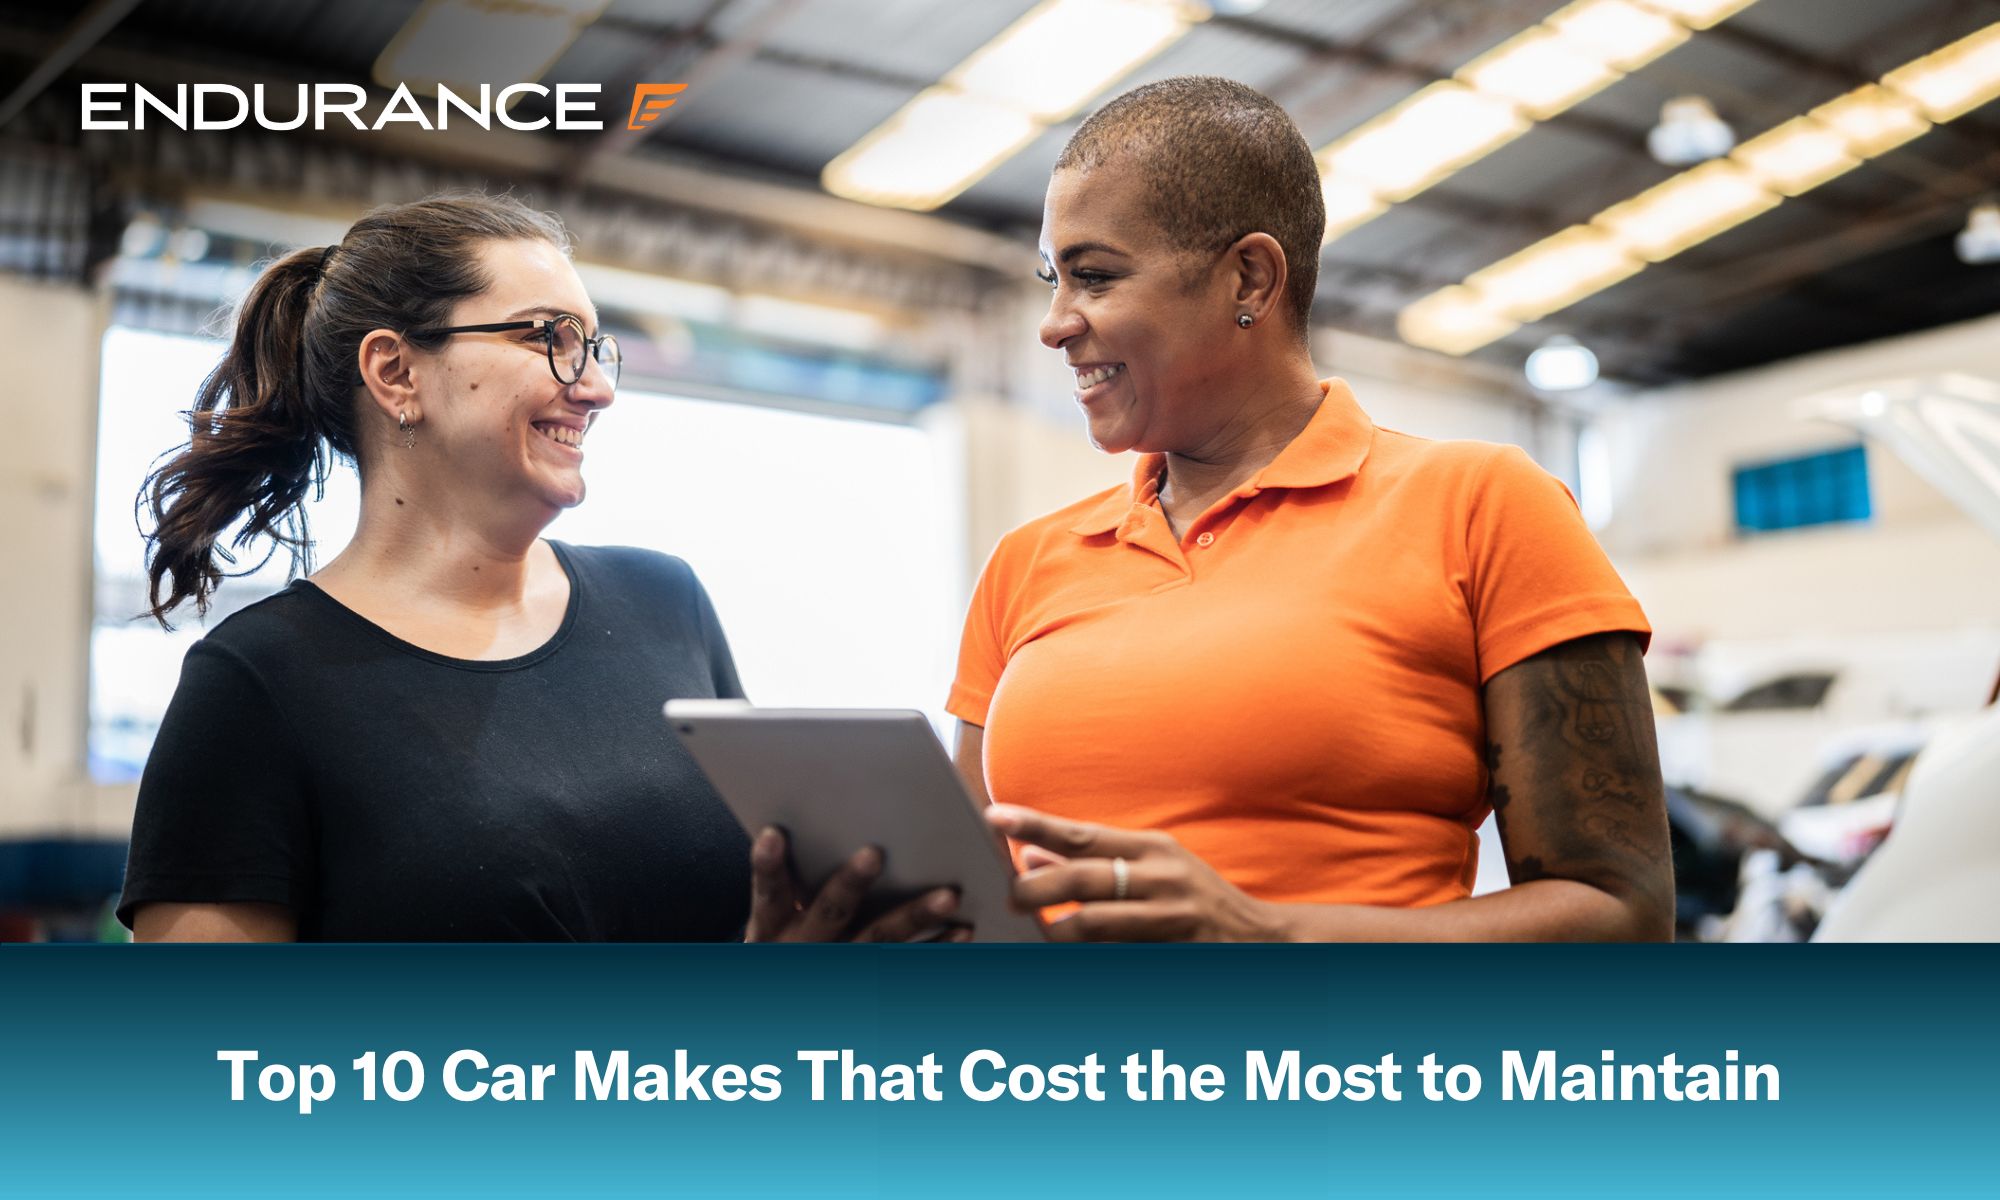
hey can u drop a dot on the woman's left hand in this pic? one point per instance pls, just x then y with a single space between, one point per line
1167 894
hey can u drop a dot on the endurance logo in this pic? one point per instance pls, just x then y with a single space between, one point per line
649 100
218 106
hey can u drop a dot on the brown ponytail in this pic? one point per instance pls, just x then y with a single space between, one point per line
284 393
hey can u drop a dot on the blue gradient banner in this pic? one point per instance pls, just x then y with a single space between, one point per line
110 1082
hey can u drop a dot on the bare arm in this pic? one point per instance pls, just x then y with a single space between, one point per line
1582 813
969 755
214 923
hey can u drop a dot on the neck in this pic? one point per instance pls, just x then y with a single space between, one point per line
435 549
1267 410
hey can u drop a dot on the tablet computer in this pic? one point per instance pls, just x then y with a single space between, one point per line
837 779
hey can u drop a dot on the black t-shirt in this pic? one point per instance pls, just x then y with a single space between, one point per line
384 793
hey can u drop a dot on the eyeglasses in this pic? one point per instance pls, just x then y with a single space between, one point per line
569 349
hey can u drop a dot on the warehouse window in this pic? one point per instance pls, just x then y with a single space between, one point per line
829 544
1813 489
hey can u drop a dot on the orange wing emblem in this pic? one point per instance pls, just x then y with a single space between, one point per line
649 100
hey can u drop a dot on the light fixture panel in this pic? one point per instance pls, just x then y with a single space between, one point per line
1686 210
1553 273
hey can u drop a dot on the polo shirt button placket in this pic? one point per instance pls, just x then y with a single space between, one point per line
1206 539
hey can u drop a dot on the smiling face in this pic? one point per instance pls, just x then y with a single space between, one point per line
510 432
1146 325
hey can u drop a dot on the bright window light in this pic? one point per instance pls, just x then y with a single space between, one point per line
931 151
834 564
1539 71
1061 54
1796 157
146 381
1689 208
1423 139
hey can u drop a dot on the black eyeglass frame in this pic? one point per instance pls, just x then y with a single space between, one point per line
592 346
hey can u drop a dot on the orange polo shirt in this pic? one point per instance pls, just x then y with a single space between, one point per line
1292 687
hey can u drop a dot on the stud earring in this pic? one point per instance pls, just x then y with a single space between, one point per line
409 430
1245 320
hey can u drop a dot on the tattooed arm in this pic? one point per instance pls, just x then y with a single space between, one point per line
1575 785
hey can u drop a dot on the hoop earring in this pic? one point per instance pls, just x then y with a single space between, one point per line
1245 320
409 430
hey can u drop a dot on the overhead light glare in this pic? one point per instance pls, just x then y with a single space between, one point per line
1541 73
1873 119
1796 157
929 152
1553 273
1692 207
1039 70
1619 33
1052 61
1699 14
1452 320
1425 138
1348 204
1955 80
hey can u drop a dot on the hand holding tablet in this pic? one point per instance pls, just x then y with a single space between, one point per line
836 779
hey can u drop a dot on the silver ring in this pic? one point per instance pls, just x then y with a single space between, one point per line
1121 879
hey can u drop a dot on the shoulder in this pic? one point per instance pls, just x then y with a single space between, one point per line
270 632
1460 470
1027 541
631 567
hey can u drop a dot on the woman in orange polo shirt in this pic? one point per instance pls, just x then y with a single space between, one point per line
1270 688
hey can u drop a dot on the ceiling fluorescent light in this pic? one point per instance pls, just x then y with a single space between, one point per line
1702 201
1348 204
463 43
1956 79
1553 273
1796 157
1872 119
1619 33
1453 321
1423 139
1699 14
1041 69
1541 73
1530 77
1692 207
1052 61
930 151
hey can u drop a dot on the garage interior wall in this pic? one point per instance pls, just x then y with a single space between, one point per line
1672 536
46 469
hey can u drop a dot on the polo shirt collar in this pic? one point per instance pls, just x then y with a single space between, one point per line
1329 449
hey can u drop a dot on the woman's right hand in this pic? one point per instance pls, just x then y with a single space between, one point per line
776 914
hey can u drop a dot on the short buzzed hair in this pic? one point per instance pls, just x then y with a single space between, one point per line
1219 160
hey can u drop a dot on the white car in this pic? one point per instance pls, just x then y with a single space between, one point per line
1937 877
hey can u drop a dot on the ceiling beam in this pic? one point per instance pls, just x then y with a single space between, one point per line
84 32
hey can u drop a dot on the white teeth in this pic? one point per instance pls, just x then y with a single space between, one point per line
561 433
1086 380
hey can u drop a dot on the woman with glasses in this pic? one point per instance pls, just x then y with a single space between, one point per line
452 730
1269 689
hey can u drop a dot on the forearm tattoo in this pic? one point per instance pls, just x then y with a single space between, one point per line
1575 772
